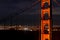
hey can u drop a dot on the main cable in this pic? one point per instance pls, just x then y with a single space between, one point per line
23 10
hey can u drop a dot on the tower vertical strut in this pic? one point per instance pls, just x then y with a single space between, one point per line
45 20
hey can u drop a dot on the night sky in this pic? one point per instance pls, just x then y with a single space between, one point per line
11 12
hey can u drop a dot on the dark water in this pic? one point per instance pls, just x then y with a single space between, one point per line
26 35
20 35
56 35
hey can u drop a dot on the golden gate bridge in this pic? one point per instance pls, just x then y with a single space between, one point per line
45 23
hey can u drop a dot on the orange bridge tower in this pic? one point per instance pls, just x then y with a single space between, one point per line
45 20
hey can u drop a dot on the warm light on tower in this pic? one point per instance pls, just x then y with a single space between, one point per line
45 20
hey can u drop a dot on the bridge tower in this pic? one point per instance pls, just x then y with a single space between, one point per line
45 20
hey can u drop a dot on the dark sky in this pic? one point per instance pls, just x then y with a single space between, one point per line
9 7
